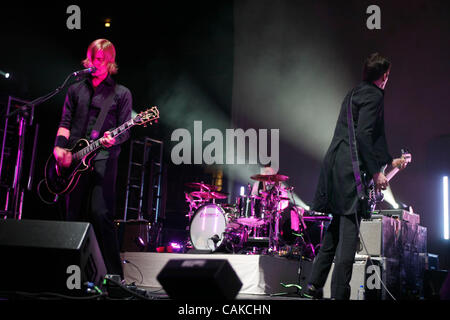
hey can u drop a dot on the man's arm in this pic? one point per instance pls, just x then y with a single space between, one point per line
367 119
62 155
381 147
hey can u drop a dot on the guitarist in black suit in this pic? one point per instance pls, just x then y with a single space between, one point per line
336 192
93 198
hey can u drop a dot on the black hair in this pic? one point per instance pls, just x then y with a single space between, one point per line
375 66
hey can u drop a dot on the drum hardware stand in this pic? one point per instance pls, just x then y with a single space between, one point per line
303 222
322 226
276 240
274 234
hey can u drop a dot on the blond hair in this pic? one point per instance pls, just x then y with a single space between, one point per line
108 49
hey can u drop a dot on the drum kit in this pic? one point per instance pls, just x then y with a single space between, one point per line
249 225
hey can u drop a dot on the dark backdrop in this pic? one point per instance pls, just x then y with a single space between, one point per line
173 54
248 64
296 60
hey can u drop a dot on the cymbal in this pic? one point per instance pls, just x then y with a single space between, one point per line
219 195
200 194
201 185
269 178
209 195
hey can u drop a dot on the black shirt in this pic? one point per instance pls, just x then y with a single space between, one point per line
83 105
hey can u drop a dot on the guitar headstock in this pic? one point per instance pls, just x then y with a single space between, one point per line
147 116
406 155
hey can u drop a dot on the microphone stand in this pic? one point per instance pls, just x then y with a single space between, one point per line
24 113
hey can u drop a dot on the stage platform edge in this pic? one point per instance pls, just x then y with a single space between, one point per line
259 274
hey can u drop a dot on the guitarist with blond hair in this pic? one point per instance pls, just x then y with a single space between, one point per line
93 197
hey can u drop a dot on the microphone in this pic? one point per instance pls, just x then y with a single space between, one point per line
84 71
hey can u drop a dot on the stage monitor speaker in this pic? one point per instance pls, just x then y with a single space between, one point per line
49 256
199 279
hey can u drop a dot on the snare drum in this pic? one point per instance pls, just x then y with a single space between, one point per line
251 210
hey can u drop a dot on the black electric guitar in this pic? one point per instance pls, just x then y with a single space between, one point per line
376 196
60 180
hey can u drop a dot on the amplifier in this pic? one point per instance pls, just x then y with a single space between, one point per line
401 214
381 237
396 239
133 235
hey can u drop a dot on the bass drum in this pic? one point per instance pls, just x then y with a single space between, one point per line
208 227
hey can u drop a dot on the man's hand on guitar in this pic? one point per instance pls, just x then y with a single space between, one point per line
399 163
108 141
380 180
63 157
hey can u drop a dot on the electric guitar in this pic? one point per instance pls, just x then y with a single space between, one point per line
376 196
60 180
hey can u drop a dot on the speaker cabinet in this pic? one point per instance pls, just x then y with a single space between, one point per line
205 279
49 256
134 236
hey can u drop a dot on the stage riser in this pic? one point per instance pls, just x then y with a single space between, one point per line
259 274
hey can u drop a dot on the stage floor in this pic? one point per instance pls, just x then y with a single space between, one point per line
261 275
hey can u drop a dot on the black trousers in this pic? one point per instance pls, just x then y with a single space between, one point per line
339 244
93 200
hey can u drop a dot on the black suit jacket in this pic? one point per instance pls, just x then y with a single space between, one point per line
336 190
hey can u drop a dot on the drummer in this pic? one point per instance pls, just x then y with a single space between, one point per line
267 186
291 218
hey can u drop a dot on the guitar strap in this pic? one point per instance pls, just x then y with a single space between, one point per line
102 116
360 188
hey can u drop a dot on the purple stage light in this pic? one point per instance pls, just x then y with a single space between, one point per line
445 202
175 247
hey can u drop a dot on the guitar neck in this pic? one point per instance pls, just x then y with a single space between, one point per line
94 146
392 173
388 176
